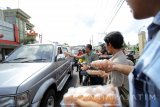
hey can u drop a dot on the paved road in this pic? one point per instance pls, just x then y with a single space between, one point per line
70 83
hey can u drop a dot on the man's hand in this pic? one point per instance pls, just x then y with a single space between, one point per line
84 67
67 54
104 75
82 103
104 65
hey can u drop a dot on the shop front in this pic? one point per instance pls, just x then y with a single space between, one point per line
8 39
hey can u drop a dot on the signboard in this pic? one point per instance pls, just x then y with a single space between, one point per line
16 33
6 31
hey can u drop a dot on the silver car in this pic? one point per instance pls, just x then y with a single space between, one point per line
32 74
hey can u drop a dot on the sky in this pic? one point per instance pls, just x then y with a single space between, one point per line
76 22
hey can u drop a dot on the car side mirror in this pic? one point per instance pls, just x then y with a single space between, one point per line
6 56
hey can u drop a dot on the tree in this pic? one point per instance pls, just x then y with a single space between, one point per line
125 45
66 44
28 40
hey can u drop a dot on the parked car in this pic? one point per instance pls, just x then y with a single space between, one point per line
131 55
33 74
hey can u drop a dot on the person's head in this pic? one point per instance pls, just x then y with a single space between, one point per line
83 50
88 48
103 48
114 41
59 51
97 51
142 9
80 51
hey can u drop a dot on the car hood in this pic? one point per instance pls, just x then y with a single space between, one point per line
14 74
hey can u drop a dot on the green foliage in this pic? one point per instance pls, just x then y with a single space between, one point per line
28 40
66 44
125 45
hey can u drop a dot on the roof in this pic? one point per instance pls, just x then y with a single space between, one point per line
29 25
18 12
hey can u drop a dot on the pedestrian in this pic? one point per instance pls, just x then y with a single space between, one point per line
114 44
80 62
103 51
80 53
89 56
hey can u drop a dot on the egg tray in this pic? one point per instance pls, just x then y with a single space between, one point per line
119 103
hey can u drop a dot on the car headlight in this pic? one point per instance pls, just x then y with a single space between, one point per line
22 100
7 101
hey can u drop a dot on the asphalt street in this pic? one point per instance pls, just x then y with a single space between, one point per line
70 83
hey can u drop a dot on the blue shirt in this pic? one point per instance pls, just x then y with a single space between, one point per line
145 78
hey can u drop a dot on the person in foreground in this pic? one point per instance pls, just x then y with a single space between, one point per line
114 44
144 77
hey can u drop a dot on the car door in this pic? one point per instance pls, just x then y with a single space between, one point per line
67 60
60 63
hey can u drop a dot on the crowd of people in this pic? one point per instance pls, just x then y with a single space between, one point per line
142 80
113 46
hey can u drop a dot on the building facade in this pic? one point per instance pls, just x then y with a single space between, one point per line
14 24
142 40
20 19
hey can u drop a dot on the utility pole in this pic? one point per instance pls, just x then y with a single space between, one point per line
92 40
40 38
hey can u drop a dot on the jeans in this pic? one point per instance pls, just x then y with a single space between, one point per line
84 77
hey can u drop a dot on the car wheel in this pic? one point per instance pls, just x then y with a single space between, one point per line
49 99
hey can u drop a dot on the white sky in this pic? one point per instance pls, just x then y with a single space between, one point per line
75 21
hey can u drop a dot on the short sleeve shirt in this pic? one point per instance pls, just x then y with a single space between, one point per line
118 79
145 78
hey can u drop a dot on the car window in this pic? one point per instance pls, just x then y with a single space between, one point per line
32 52
60 56
59 50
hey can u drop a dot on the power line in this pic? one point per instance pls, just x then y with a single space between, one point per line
116 9
115 15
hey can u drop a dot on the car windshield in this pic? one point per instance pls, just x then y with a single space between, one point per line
31 53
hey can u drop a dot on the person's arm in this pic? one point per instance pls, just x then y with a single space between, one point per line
78 57
75 56
125 69
109 66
